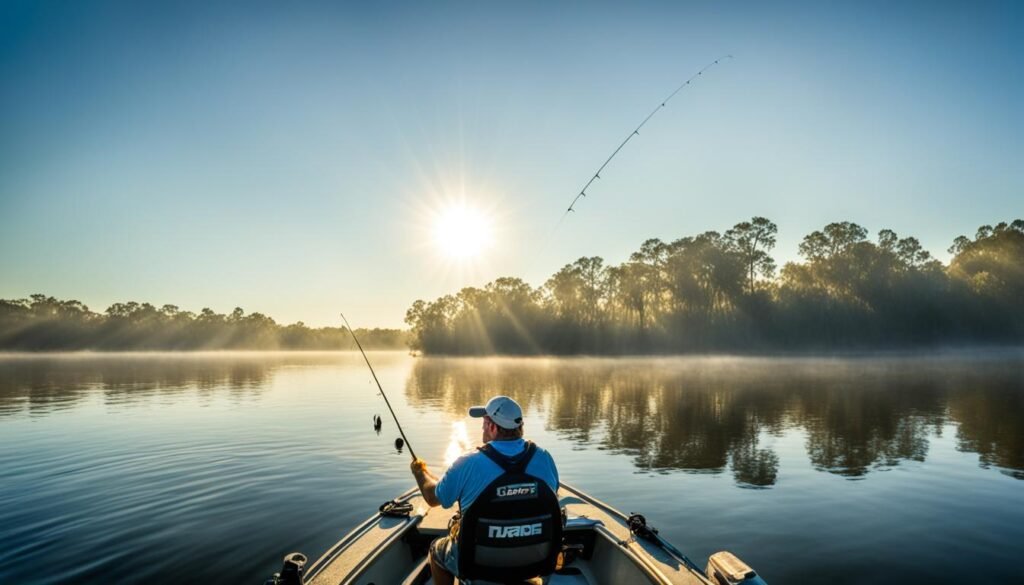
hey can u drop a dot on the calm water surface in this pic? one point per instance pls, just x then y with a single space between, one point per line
167 468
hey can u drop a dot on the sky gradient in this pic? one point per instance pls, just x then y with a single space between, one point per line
288 159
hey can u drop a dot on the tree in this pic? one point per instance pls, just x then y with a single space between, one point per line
564 293
43 322
992 265
714 290
707 274
754 240
594 277
835 239
911 254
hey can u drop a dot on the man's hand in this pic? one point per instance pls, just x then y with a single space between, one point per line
425 480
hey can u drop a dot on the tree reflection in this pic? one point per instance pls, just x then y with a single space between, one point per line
696 415
869 418
755 467
710 415
42 385
990 423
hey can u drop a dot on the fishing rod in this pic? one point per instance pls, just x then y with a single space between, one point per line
386 401
636 132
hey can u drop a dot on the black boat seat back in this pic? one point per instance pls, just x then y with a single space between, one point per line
513 530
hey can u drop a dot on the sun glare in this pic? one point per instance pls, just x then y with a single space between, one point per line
458 443
462 232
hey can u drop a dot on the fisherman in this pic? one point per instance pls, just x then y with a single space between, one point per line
467 478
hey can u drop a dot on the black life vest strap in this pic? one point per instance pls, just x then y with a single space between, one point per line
515 464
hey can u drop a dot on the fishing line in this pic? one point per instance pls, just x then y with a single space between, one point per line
636 132
386 401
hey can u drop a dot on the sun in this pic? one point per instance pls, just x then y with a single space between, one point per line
462 232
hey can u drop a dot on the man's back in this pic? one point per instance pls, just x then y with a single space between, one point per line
471 473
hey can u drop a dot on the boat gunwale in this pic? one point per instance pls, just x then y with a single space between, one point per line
338 548
642 563
647 565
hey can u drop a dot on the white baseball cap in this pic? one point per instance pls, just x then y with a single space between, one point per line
504 411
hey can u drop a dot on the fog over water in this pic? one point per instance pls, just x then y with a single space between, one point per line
212 466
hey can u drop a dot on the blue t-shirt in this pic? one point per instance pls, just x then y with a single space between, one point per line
472 472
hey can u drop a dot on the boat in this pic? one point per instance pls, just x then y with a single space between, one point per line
601 546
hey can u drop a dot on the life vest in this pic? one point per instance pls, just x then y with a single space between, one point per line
513 530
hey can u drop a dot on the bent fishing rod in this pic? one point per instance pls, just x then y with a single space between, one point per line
381 388
636 132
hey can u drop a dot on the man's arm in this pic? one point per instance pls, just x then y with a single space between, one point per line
426 481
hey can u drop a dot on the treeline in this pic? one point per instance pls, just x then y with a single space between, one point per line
43 323
723 292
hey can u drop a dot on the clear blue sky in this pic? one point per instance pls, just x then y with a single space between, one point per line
286 157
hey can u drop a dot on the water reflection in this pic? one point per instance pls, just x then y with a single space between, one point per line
190 467
698 415
713 414
992 423
42 384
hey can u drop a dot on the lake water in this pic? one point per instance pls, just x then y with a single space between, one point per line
210 467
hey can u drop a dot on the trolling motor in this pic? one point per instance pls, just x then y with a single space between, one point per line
726 568
291 572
